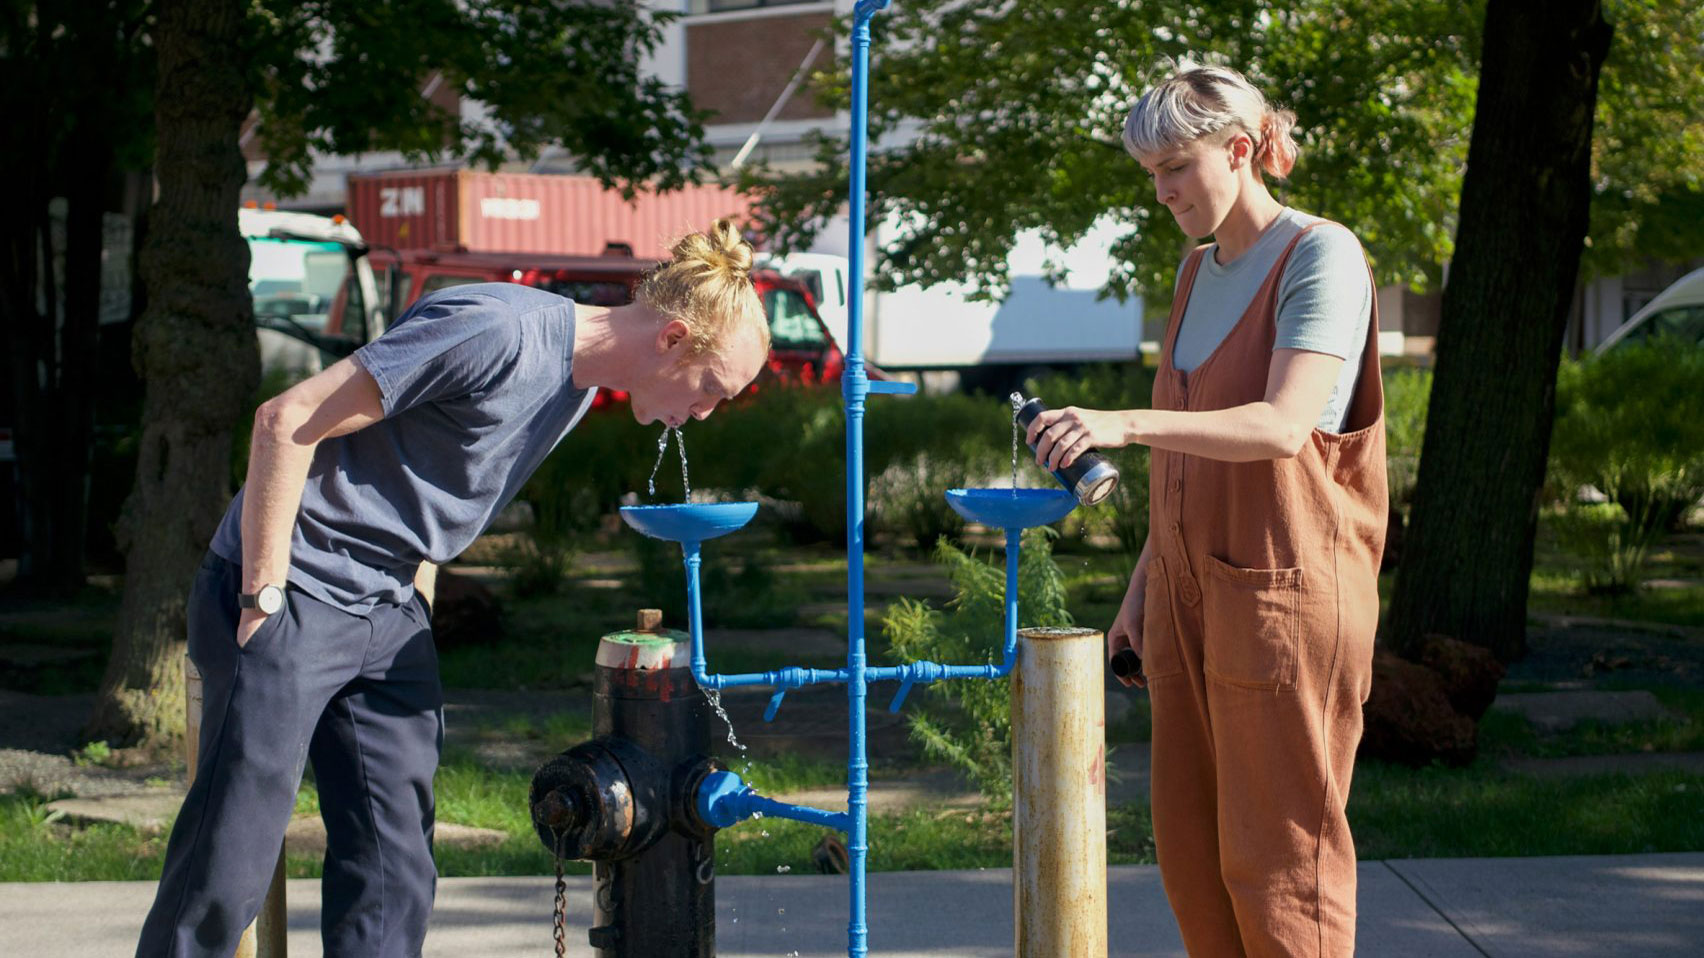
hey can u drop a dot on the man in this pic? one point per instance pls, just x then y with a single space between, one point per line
304 622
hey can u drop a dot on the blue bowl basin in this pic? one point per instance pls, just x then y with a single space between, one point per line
1012 509
689 521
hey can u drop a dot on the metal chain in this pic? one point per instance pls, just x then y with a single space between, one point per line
560 923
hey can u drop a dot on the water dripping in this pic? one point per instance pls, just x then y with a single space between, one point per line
662 450
1017 399
685 483
662 447
715 697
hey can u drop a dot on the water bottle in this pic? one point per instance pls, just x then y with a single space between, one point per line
1090 477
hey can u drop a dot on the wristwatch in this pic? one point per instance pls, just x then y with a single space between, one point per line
268 600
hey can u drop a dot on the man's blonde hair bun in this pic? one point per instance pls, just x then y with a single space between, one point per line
707 285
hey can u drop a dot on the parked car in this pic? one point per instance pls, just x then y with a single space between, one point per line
1676 313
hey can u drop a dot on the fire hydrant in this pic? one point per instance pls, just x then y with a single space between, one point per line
625 800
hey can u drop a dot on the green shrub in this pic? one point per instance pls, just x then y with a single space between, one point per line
1628 423
746 596
1611 550
976 737
1100 386
1408 391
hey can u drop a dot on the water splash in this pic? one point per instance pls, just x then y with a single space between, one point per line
715 697
680 446
1017 400
662 447
662 450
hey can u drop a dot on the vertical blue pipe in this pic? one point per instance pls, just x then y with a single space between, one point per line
855 386
693 557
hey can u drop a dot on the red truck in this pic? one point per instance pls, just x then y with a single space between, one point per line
323 287
801 350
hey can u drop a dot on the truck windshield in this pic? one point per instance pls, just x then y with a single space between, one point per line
295 281
791 324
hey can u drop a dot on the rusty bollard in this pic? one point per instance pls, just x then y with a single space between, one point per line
1059 794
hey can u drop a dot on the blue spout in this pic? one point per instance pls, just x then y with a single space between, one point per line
725 799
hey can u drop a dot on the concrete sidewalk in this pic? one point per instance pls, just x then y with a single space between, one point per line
1634 905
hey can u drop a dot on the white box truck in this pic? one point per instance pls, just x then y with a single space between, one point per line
991 345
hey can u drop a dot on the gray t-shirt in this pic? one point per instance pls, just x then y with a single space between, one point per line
477 385
1325 301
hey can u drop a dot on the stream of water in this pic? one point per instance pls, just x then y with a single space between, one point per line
662 450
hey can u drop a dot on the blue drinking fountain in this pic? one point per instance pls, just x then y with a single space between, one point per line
718 798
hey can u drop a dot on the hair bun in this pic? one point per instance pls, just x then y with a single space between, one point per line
721 247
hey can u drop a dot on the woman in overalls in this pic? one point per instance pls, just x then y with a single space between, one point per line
1254 602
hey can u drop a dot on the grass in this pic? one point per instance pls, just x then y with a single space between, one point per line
1479 812
36 846
1556 586
1508 734
550 642
1395 813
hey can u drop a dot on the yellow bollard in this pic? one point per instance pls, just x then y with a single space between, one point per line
1059 794
266 936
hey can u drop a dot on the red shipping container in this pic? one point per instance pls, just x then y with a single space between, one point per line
526 213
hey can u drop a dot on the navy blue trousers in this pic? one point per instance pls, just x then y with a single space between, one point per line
359 696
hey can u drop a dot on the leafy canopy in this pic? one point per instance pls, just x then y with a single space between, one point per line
991 119
347 77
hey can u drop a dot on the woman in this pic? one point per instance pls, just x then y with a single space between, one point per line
1254 602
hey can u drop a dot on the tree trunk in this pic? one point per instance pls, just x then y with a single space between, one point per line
63 424
196 352
1524 202
74 131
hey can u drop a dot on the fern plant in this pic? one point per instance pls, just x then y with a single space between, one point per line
968 723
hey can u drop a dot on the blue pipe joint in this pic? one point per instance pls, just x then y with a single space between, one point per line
916 672
724 799
868 8
854 382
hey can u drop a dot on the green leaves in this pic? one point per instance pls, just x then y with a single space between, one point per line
992 119
978 740
349 77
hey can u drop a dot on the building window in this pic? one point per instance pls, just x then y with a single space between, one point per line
721 6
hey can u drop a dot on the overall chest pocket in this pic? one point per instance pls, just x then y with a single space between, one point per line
1252 621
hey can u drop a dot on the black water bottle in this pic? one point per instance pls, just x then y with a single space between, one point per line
1090 477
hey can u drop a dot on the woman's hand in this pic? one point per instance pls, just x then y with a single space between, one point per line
1126 631
1061 435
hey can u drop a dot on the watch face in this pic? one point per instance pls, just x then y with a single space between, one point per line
270 599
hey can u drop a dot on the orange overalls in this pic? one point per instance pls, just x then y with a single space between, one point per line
1262 601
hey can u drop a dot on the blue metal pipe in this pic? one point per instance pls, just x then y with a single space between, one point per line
792 677
725 799
855 386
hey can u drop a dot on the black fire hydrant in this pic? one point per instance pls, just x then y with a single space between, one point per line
625 800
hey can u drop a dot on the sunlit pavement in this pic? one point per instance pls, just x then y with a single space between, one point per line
1623 905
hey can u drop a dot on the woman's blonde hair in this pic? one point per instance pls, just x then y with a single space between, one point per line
1199 101
707 285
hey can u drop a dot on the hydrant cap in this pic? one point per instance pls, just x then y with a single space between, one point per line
666 649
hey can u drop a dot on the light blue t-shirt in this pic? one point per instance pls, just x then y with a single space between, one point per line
1325 301
477 385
